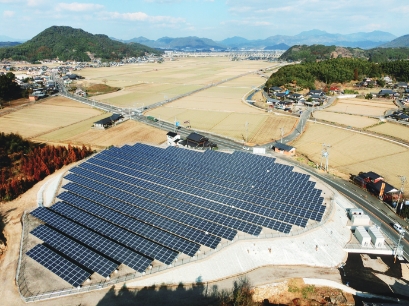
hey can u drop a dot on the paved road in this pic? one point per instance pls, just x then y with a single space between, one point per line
305 115
378 211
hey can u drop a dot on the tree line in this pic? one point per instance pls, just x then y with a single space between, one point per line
24 163
339 70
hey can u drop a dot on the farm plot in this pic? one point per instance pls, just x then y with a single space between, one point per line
38 119
65 133
345 119
150 83
220 110
370 108
127 132
392 129
352 152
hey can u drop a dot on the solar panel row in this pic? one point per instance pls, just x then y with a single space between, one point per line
210 202
147 205
116 233
221 193
130 224
200 210
95 241
72 249
62 267
298 193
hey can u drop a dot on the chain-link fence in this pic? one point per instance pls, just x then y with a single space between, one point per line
28 296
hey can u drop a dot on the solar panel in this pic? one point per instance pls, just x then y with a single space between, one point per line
60 266
93 240
140 228
116 233
75 251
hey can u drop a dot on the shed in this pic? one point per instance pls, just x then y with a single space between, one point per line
360 220
362 235
377 238
283 148
108 122
355 211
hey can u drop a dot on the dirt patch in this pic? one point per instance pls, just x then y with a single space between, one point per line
296 292
100 89
375 264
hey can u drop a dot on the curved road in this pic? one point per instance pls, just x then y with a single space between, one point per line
378 211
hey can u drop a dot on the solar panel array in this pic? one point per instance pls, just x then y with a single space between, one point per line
146 203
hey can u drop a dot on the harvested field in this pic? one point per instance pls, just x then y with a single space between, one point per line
370 108
352 152
38 119
65 133
127 132
392 129
346 119
220 110
150 83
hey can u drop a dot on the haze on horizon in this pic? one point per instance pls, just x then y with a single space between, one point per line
214 19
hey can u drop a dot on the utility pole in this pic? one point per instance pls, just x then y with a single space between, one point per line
402 188
399 248
325 154
282 133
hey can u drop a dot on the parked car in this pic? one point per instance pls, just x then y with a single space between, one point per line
398 228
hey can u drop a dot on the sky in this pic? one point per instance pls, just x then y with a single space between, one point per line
214 19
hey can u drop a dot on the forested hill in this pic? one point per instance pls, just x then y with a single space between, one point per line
66 43
339 70
320 52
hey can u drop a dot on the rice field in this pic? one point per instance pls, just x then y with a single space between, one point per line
369 108
45 117
127 132
145 84
352 152
392 129
345 119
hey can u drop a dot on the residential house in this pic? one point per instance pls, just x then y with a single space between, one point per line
387 93
108 122
296 97
275 89
172 138
283 149
281 95
316 92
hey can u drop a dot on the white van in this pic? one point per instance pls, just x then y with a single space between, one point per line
399 228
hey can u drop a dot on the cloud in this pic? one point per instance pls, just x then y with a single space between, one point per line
140 16
78 7
8 14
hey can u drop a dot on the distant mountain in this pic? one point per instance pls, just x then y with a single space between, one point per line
8 38
277 47
402 41
9 43
66 43
191 42
355 40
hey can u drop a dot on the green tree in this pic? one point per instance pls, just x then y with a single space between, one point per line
9 89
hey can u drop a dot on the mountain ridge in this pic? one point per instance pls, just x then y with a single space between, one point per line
365 40
67 43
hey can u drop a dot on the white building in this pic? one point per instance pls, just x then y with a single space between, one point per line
172 138
377 238
362 235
